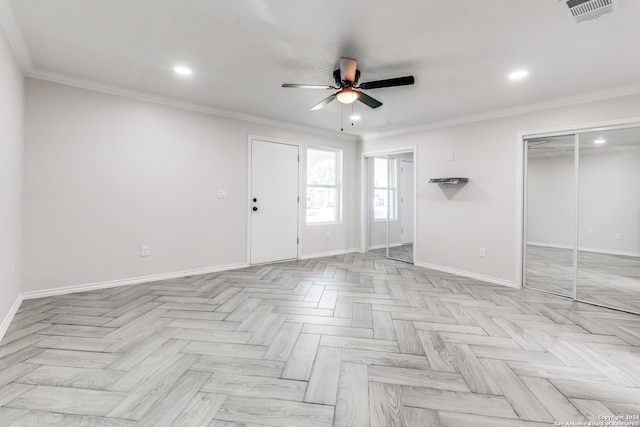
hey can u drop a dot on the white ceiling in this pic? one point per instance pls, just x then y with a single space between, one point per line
460 53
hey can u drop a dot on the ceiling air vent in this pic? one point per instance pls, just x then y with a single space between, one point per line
583 10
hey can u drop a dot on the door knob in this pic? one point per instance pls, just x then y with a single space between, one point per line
255 209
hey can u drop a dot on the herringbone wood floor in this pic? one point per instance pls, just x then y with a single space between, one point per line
353 340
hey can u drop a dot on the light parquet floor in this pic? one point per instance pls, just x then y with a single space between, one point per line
351 340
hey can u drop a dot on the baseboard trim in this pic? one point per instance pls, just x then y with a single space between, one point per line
330 253
609 252
384 245
129 281
549 245
10 315
480 277
585 249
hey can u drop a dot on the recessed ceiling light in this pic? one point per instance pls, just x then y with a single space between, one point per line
599 141
182 70
354 117
518 75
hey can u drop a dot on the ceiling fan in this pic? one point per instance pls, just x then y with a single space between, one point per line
347 82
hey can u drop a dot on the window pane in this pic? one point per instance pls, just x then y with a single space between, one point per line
321 167
385 183
321 204
393 173
393 212
380 172
380 204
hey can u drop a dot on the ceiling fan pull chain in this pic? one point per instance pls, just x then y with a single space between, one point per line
342 118
351 117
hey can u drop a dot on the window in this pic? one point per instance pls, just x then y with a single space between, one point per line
323 185
384 188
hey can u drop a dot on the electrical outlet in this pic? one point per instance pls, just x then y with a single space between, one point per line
450 156
483 252
619 236
222 193
589 233
328 235
144 250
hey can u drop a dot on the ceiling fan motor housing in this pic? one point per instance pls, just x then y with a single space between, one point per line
342 83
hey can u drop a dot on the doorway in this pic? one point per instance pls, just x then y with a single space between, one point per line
582 216
390 212
274 201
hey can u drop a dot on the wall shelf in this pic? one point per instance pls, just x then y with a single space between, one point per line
448 180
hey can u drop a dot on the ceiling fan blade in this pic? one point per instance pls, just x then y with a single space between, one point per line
398 81
307 86
367 100
324 102
348 67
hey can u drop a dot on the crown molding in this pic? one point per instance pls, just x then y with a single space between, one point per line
513 111
206 109
12 30
176 103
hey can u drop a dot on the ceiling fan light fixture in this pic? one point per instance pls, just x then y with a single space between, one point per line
347 96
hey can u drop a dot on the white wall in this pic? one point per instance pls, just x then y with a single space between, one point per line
11 152
106 174
454 223
609 201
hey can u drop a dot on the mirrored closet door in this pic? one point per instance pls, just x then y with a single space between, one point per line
390 195
550 214
609 219
582 216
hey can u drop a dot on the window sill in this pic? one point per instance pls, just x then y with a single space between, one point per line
323 223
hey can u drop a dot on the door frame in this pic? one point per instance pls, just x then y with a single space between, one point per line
250 139
364 201
413 165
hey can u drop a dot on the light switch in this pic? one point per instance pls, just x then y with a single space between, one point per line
222 193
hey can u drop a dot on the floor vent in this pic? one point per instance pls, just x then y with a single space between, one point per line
583 10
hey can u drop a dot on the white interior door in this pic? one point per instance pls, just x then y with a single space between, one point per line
274 202
406 200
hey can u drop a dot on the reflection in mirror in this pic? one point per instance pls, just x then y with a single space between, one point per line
550 215
390 206
609 219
